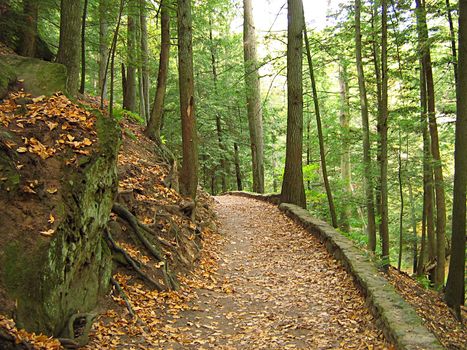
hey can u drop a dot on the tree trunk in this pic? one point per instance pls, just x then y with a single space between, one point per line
428 249
189 172
103 45
153 128
377 66
144 59
455 287
129 97
414 227
238 173
29 28
370 207
344 119
253 97
383 132
83 48
70 45
112 60
437 164
453 40
293 190
413 218
322 153
401 196
222 160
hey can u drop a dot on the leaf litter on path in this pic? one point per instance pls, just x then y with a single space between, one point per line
264 283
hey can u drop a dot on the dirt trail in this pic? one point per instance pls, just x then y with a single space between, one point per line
285 291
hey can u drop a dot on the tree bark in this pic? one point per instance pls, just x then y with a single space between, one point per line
322 153
70 41
29 28
437 164
253 97
153 128
189 172
455 288
293 190
370 207
83 47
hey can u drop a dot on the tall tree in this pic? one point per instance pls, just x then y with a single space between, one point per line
344 119
70 41
144 59
453 39
29 29
369 196
383 135
455 287
153 128
293 189
253 97
322 153
222 160
129 95
83 47
435 153
189 172
103 45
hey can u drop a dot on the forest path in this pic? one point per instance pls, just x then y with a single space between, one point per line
286 290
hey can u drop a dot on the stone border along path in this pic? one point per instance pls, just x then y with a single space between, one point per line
398 320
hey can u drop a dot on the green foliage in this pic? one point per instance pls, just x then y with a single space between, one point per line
119 113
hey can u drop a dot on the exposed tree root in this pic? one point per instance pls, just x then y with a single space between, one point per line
153 248
134 264
124 297
76 334
135 225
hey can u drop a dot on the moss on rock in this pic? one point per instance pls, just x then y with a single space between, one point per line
40 77
7 76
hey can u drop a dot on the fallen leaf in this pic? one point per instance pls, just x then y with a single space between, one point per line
21 150
52 190
38 99
51 219
51 125
47 233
